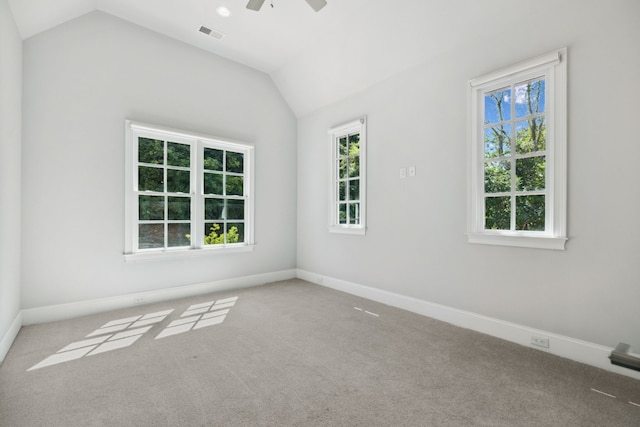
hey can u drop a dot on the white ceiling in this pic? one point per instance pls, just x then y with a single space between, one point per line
314 58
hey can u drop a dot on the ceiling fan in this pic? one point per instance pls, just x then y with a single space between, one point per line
315 4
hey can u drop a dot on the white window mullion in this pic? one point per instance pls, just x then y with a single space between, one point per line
166 196
552 177
249 171
197 199
133 199
512 147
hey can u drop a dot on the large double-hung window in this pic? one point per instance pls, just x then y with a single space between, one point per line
186 193
518 155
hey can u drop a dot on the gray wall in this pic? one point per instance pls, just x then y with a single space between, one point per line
81 81
10 169
416 244
84 78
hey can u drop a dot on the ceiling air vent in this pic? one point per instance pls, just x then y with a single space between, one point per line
212 33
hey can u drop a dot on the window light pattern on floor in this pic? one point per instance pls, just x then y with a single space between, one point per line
112 335
122 333
200 316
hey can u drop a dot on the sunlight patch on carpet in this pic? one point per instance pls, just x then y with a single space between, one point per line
119 333
122 333
199 316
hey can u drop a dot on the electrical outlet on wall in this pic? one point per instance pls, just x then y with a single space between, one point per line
539 341
138 300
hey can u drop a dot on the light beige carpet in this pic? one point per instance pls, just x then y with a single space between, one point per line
292 353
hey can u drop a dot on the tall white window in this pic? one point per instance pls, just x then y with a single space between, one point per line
517 189
186 193
347 205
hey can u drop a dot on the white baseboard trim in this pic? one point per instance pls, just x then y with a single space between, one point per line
52 313
10 336
559 345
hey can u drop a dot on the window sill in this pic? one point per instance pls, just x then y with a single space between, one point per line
518 240
345 229
185 253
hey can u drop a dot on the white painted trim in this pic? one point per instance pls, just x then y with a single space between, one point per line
229 143
358 125
543 61
53 313
512 239
154 255
10 336
559 345
348 229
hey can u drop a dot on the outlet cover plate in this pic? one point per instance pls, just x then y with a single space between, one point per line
540 341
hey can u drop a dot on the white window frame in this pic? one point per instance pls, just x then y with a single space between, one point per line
553 68
197 142
356 126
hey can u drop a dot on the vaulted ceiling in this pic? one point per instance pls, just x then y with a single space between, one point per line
315 58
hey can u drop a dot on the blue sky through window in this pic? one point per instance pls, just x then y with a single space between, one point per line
497 104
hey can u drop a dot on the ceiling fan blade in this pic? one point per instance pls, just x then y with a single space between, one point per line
317 4
255 4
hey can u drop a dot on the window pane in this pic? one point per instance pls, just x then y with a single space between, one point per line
497 213
178 154
497 141
178 181
354 144
529 98
235 232
150 236
497 177
342 168
342 192
150 179
213 183
354 189
530 213
179 235
354 213
531 136
354 166
342 146
530 173
213 159
235 209
213 233
342 213
213 208
235 186
235 162
179 208
150 208
150 151
497 106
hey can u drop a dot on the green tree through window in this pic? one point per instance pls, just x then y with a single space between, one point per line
186 192
515 162
518 154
